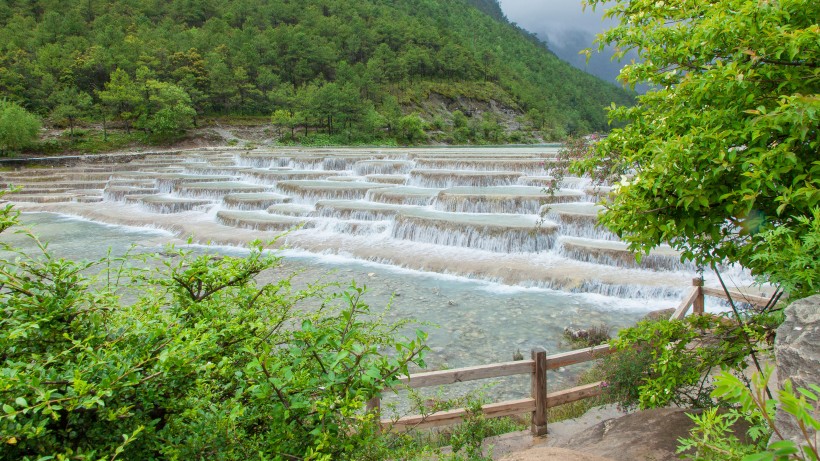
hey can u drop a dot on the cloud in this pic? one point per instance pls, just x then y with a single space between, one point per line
555 19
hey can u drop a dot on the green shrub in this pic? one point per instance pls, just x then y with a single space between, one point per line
713 437
668 362
190 360
18 127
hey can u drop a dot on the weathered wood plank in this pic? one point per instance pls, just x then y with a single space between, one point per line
576 393
577 356
736 296
684 306
458 375
444 418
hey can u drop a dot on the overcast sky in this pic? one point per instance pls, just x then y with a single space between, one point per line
568 28
553 19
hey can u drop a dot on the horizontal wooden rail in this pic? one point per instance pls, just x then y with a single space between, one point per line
499 370
445 418
736 296
574 394
459 375
578 356
493 410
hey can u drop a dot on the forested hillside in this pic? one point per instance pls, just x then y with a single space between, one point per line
327 64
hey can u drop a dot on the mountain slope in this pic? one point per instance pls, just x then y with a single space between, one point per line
334 63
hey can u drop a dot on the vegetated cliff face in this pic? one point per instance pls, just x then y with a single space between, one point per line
490 7
339 63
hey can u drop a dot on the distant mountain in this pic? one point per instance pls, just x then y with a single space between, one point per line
570 43
330 64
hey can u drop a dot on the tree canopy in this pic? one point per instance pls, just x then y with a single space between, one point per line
18 127
724 149
239 57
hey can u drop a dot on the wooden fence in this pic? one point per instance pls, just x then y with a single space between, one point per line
538 364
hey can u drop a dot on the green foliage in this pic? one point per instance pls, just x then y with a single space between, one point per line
713 439
18 127
790 256
254 57
723 149
166 109
190 360
663 362
70 106
411 129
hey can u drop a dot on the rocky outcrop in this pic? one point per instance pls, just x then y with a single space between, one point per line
797 351
650 434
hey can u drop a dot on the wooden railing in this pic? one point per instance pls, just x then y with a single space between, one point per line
538 364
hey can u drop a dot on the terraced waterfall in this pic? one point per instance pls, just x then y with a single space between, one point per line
480 213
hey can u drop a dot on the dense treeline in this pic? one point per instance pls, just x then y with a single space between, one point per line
330 64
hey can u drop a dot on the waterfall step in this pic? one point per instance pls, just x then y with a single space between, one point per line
501 199
405 195
213 170
359 210
254 201
578 220
72 184
118 193
387 178
260 220
36 190
44 198
454 178
166 204
502 233
391 167
291 209
346 178
274 176
316 190
217 190
617 254
522 165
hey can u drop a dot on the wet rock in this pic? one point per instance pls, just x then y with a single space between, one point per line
592 336
797 351
660 314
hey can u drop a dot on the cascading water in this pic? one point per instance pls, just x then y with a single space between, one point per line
433 209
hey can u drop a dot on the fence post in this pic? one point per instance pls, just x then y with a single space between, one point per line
698 304
539 391
374 406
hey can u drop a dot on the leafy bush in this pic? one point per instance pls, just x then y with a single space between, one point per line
18 127
712 438
663 362
192 359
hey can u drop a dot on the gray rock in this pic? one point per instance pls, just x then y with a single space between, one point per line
645 435
660 314
797 351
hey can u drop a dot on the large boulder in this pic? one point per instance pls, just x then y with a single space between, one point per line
797 351
645 435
